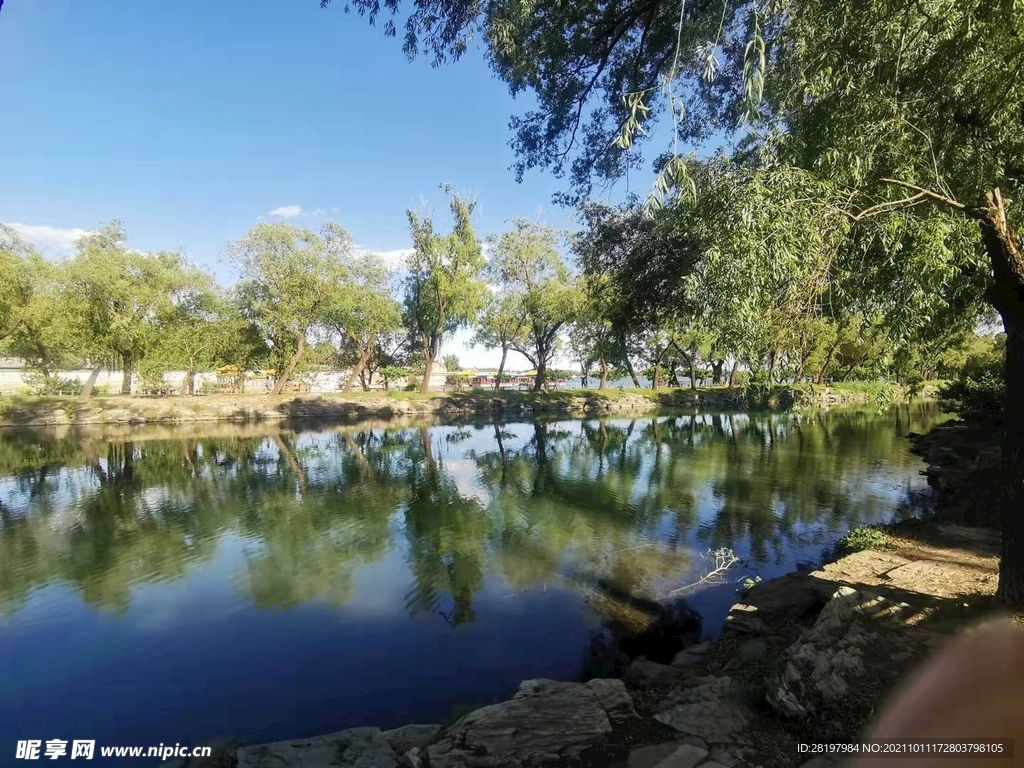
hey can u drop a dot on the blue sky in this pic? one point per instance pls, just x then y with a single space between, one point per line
190 121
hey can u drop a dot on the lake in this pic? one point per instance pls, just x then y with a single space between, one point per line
173 584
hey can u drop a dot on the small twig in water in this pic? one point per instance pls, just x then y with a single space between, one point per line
725 559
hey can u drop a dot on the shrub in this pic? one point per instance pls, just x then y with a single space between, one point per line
866 537
977 393
40 384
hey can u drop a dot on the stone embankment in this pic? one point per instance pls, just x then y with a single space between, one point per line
963 469
809 657
55 411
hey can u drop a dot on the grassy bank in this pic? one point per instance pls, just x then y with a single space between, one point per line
20 410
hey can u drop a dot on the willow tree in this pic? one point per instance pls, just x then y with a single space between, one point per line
289 276
443 289
528 266
362 313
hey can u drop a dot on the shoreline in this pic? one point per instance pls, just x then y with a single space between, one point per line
17 411
807 657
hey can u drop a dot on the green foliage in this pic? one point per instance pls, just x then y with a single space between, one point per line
393 373
457 380
40 384
978 393
289 281
443 290
363 317
451 363
534 279
748 583
865 538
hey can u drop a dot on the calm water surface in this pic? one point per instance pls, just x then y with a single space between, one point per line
184 585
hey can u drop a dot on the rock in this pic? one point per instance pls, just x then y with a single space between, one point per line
695 741
796 596
649 674
686 756
411 737
752 651
725 757
713 709
545 722
826 659
354 748
690 656
651 755
670 755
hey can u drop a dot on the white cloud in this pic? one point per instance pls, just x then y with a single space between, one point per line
393 259
50 241
287 211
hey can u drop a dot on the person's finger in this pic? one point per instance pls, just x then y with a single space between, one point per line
972 689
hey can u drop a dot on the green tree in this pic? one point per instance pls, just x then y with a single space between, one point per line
111 296
362 313
17 269
289 278
199 330
500 325
451 363
527 264
443 290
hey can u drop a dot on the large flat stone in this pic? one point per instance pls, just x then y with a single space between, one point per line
942 579
546 722
686 756
354 748
410 737
651 755
712 709
643 674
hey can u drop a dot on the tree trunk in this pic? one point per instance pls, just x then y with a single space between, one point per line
1007 296
1011 564
428 368
364 356
604 374
90 382
188 384
716 371
126 379
632 373
656 377
282 380
692 359
583 375
431 346
542 369
828 361
501 367
732 373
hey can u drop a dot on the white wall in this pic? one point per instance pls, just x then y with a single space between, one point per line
13 380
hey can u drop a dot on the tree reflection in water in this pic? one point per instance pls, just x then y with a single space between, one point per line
534 504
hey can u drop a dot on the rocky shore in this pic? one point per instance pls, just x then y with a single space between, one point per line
963 467
56 411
